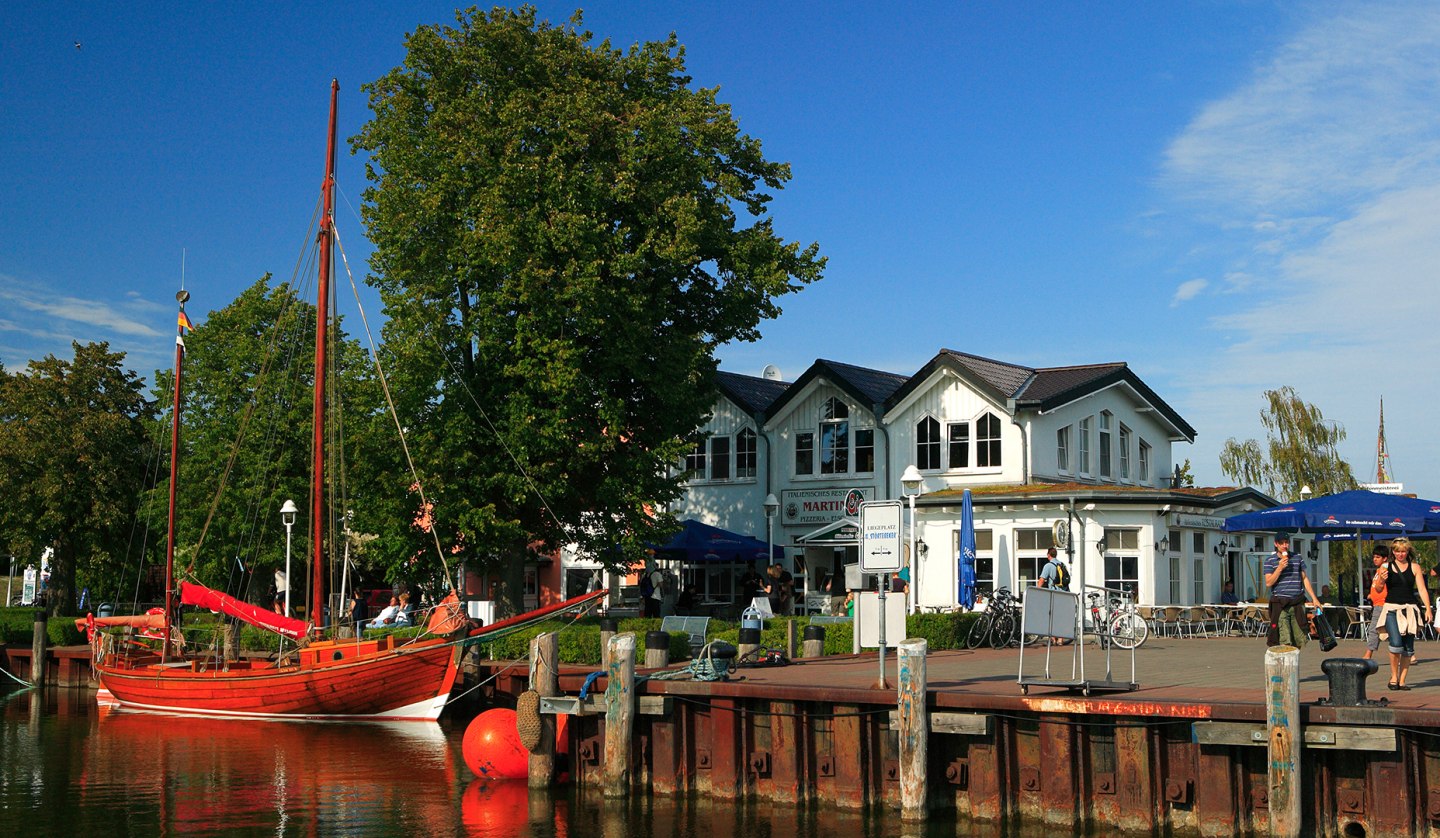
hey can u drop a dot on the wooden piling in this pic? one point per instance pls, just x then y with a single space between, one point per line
545 680
37 650
814 645
608 627
1282 722
914 733
657 649
792 647
619 714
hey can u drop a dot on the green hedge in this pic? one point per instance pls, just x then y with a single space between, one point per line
580 641
17 627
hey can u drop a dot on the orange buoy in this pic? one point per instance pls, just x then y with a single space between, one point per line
492 748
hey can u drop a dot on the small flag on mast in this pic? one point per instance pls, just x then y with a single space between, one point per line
184 322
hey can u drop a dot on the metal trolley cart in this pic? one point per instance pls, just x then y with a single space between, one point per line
1049 615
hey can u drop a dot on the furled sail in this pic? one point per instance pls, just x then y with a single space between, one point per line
192 594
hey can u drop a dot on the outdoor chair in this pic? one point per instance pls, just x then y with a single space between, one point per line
693 627
1148 615
1169 621
1196 619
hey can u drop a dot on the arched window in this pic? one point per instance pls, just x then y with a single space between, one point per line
987 441
927 443
834 437
745 453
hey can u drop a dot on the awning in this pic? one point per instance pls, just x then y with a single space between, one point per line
697 542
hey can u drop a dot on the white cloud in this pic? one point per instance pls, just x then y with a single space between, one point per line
1324 173
54 321
1188 291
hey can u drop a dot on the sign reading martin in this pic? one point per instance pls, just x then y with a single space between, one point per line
880 536
815 507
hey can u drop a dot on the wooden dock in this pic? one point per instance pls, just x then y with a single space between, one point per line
1184 753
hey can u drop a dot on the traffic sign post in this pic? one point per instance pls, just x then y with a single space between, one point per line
880 553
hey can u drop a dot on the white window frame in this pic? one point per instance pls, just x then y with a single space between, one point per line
1105 449
966 447
987 444
1062 448
1125 435
1083 445
929 449
1144 475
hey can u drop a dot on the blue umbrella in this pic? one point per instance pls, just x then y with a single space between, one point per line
1357 511
967 552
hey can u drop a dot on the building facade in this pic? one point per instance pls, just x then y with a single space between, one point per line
1077 457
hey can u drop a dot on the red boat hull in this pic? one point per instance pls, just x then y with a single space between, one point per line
368 679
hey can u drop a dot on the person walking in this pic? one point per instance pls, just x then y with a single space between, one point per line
1405 592
1285 576
1378 557
1054 574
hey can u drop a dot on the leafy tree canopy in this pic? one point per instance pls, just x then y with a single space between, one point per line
73 449
564 233
1300 450
247 380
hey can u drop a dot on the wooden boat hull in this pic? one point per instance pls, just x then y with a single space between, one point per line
368 679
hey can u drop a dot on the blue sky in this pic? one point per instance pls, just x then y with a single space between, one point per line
1230 196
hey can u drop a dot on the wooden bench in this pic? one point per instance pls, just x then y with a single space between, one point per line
694 627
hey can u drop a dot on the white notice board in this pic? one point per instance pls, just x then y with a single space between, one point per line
880 530
1050 612
867 608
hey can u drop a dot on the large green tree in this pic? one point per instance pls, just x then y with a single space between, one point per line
246 441
564 234
1300 450
73 452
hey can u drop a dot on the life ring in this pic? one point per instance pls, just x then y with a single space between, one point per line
154 633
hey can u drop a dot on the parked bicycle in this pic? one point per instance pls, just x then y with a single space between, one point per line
1114 619
999 625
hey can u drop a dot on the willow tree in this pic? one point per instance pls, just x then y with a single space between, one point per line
565 232
1301 449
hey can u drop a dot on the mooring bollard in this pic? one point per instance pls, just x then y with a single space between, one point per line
914 733
657 649
37 650
544 680
1282 722
619 714
608 627
749 643
814 641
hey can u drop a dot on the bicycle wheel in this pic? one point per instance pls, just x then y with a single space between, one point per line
979 630
1128 631
1004 632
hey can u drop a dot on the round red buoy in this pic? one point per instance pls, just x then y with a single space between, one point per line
492 748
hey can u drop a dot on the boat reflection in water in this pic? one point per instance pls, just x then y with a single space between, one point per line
198 775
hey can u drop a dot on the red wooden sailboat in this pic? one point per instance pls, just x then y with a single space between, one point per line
355 678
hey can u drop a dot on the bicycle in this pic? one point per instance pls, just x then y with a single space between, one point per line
999 625
1116 621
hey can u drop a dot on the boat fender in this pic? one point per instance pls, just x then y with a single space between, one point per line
527 719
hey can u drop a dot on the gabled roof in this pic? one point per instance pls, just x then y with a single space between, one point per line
754 395
1042 388
871 388
1055 386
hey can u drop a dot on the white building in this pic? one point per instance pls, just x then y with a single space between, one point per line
1087 443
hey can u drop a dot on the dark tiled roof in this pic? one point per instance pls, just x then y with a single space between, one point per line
1007 378
1053 381
876 385
753 394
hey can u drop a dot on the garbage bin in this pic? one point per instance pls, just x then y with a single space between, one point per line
750 619
107 609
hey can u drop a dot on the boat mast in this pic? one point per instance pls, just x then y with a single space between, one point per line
181 296
322 315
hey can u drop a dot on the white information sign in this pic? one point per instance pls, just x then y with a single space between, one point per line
880 532
867 620
27 593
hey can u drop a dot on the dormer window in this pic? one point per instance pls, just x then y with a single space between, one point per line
834 437
987 441
1107 419
927 444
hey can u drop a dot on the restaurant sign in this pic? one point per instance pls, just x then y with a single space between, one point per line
813 507
1196 522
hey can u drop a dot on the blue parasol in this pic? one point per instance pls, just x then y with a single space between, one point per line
966 594
1356 511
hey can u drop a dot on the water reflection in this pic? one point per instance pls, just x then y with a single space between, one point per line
67 768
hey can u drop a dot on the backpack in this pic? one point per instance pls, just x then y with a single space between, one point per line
1062 576
646 586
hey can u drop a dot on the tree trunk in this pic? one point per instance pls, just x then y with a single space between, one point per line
512 581
60 590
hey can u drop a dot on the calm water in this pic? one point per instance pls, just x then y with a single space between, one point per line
68 768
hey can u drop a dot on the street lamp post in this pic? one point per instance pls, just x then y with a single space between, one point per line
910 484
287 516
772 506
